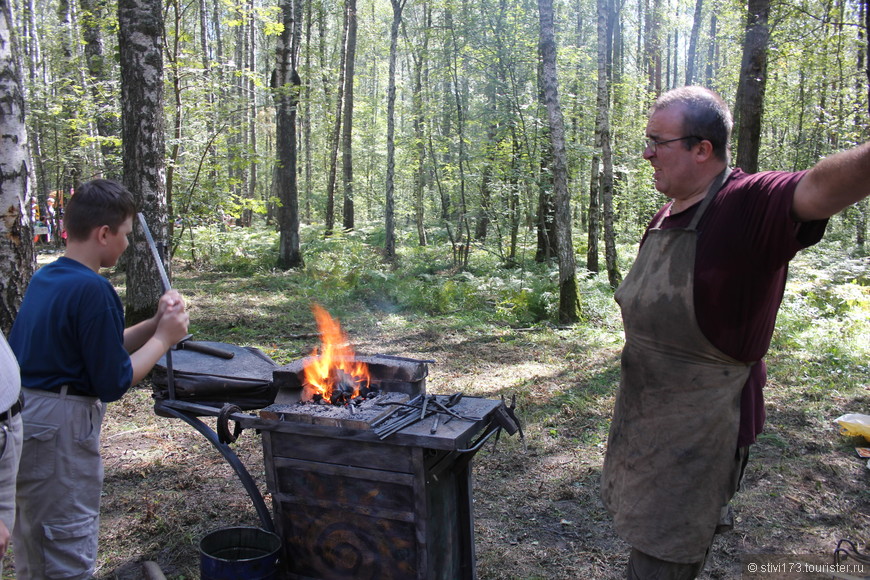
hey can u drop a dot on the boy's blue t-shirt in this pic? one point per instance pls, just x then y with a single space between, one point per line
70 331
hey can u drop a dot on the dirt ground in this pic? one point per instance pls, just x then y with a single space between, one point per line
536 502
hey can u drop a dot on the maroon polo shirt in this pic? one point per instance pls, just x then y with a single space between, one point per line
746 239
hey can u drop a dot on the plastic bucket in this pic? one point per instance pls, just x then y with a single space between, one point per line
243 553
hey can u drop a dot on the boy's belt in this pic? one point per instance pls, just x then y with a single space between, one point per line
13 410
70 390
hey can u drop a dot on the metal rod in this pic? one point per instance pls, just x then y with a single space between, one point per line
164 282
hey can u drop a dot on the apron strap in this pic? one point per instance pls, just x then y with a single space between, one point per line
711 193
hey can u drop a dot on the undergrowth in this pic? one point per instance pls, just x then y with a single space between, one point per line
819 350
347 269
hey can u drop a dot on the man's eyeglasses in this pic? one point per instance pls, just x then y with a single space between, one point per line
651 143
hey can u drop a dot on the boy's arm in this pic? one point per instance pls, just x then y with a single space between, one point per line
170 328
137 335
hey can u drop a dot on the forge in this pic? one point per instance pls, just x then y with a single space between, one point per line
369 475
349 503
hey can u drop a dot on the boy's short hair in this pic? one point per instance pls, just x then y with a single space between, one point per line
97 203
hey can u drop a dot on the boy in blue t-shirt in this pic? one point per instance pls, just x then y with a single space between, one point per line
75 356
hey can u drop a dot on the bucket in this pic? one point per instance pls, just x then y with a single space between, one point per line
242 553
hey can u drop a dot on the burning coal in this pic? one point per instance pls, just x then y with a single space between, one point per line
333 374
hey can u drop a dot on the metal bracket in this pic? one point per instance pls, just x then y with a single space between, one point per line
189 413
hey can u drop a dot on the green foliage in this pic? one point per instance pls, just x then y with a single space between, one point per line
347 268
823 335
231 249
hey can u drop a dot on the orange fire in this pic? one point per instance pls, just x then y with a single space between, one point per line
334 366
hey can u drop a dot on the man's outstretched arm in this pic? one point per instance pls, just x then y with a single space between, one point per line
834 184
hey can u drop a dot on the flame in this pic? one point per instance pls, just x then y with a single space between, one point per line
335 362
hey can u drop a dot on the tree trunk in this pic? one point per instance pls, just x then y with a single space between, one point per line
140 41
548 241
652 29
594 214
208 81
607 18
286 89
347 124
173 55
751 86
70 110
866 8
251 115
514 202
481 228
16 238
306 115
336 136
237 155
692 57
713 50
419 123
31 52
461 250
93 12
546 216
863 207
569 311
389 226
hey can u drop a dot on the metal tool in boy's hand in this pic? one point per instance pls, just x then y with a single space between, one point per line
158 261
164 281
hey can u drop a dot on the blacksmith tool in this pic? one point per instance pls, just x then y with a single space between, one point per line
164 281
511 423
187 344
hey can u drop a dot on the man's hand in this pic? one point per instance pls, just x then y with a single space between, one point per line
4 538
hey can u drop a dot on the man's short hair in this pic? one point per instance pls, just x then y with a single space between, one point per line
706 116
97 203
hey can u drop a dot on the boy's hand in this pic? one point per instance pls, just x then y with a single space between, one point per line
169 299
172 323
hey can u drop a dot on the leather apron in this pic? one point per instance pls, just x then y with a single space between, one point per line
669 467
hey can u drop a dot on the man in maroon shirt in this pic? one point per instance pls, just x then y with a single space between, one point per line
699 308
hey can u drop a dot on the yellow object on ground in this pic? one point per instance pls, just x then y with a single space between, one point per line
855 425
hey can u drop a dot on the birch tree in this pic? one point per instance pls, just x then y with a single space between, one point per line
569 310
16 237
389 225
286 85
607 17
140 40
347 123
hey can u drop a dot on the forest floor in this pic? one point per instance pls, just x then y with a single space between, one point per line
536 502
